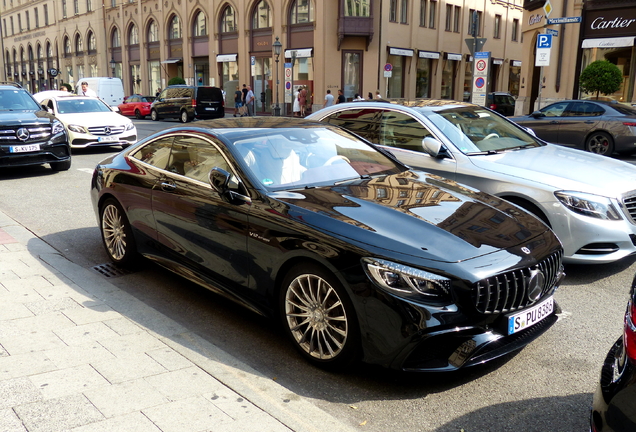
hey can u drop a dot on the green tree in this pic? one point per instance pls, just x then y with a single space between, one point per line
601 76
176 80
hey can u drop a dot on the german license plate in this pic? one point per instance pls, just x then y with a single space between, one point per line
108 138
531 316
24 148
210 109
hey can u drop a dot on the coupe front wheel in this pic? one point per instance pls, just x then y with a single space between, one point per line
318 315
116 233
600 143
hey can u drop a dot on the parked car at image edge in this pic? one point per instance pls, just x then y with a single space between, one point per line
188 102
588 200
90 122
503 103
137 106
596 126
359 257
29 135
614 404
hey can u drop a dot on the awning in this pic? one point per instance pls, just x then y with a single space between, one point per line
452 56
222 58
497 61
616 42
515 63
428 54
300 53
172 60
401 52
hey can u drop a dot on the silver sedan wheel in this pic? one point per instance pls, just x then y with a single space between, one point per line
114 232
316 317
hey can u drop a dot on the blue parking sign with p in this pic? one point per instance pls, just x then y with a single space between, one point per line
544 41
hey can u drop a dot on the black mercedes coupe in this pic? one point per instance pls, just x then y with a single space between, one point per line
358 256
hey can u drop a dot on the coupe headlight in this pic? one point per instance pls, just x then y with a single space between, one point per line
57 128
77 129
130 126
403 280
595 206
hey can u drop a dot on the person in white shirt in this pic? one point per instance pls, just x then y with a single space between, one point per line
85 91
328 99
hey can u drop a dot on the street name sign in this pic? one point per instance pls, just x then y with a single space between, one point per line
564 20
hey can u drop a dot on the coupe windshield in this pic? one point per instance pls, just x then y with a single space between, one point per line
87 105
299 157
475 130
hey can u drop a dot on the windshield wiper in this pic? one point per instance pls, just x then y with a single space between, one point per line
489 152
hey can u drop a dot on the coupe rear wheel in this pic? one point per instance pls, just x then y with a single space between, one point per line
116 233
600 143
138 115
153 115
184 117
319 317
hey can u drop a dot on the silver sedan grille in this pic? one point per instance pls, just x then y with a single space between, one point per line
629 201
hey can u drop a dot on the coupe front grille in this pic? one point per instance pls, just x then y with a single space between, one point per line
629 200
101 130
9 135
508 292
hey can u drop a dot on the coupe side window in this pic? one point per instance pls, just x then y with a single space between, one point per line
585 109
555 110
194 158
156 153
363 122
402 131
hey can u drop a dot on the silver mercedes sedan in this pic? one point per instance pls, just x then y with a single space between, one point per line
588 200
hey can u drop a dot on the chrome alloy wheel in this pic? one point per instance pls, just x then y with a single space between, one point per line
114 232
316 317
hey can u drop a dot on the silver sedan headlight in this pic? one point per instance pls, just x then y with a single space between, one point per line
403 280
57 127
586 204
77 129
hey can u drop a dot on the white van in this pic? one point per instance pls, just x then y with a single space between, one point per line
110 90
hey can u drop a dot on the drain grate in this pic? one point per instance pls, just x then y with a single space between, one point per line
111 270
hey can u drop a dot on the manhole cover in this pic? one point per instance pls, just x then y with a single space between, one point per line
111 270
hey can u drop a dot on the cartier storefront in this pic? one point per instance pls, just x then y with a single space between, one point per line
608 33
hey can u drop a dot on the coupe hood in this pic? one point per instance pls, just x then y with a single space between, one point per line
563 169
432 218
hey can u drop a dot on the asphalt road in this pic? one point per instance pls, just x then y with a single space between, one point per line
547 386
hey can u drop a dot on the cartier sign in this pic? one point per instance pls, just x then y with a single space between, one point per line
610 23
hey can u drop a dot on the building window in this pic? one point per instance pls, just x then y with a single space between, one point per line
113 3
12 27
133 35
46 14
76 7
404 11
36 15
456 18
175 28
79 45
67 46
423 5
19 23
28 20
432 14
515 30
63 8
357 8
449 16
228 20
92 43
262 17
115 42
4 25
302 11
497 32
200 25
393 11
474 23
153 32
89 5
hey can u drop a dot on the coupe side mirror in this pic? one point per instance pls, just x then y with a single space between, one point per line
221 182
537 114
434 148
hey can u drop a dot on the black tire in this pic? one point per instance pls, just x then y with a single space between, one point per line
600 143
154 115
60 166
184 117
117 235
138 115
319 318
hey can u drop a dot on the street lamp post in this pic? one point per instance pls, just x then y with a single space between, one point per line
277 49
112 65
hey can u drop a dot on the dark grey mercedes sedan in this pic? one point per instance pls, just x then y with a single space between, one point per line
357 256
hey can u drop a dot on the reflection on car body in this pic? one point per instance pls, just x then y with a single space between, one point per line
358 256
588 200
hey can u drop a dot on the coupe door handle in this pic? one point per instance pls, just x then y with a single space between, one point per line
168 186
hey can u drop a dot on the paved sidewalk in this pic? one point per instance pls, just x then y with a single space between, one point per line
78 354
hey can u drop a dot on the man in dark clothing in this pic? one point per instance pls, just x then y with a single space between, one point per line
244 96
238 101
341 98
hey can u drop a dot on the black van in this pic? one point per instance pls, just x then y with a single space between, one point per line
188 102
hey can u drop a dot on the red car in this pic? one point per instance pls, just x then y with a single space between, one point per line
136 105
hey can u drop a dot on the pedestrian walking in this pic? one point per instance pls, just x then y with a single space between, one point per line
238 101
370 96
244 101
341 98
377 95
302 100
249 101
296 105
357 97
328 99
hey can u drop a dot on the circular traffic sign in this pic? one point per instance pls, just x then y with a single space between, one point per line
481 65
288 72
480 82
388 67
287 85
